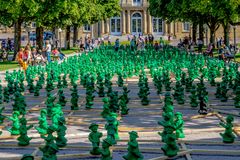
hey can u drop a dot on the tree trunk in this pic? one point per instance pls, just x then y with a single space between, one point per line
201 31
226 34
39 37
17 38
194 32
75 35
213 29
68 34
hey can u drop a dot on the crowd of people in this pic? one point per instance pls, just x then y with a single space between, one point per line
224 52
33 56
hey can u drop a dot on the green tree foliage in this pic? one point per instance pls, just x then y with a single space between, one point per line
15 12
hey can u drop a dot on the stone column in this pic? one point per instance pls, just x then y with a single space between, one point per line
128 22
107 26
149 23
102 27
144 22
123 22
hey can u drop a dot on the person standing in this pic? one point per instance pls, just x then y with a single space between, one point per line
48 49
117 45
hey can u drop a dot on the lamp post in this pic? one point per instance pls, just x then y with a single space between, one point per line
60 37
28 29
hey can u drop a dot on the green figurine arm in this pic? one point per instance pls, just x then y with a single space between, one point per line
222 124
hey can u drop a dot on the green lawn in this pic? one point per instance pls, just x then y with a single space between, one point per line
8 65
69 51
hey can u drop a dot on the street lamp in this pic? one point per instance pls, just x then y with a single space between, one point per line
28 30
60 37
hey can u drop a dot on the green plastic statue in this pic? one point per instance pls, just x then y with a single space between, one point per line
43 123
105 152
23 139
61 132
56 113
237 97
50 149
2 117
62 100
50 103
15 123
170 147
74 99
106 111
27 157
228 136
133 149
94 138
123 105
179 123
112 129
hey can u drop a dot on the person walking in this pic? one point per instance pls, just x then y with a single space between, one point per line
48 49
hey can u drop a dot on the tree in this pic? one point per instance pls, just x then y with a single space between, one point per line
14 13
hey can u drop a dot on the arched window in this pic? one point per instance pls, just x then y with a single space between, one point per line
136 23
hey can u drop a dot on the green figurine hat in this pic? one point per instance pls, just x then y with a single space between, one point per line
27 157
178 113
43 111
112 114
92 125
134 133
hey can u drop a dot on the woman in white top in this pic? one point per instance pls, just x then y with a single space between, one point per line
48 50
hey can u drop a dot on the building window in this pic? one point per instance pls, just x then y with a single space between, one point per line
137 2
33 24
157 25
86 28
186 26
115 24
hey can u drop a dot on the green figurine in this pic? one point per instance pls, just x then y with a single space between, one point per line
27 157
64 81
50 149
15 123
228 136
170 147
193 97
50 103
105 152
6 95
123 105
61 141
43 123
237 97
112 129
36 90
106 111
30 85
62 100
94 138
74 99
179 123
56 113
2 117
120 80
23 139
133 149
